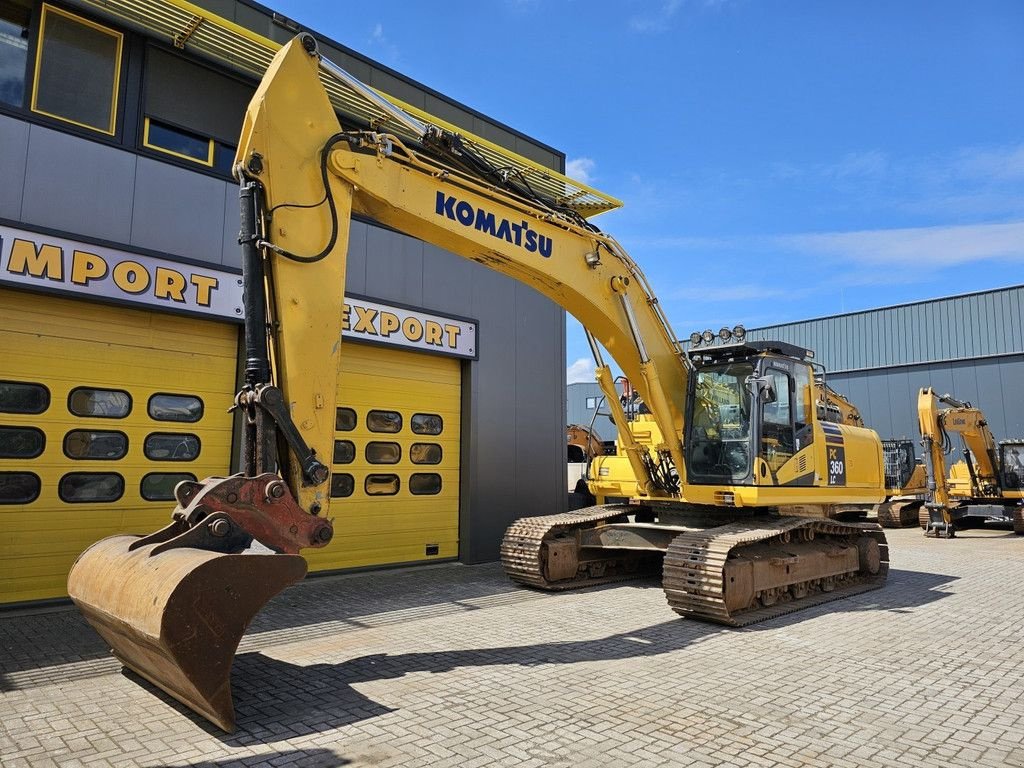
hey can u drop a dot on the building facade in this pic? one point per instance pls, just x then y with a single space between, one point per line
584 405
970 346
120 307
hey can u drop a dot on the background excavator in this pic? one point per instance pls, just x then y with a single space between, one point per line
732 498
985 487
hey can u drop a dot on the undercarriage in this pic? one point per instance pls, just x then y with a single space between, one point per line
729 568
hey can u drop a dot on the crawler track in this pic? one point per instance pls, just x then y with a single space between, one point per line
899 514
695 562
694 569
523 554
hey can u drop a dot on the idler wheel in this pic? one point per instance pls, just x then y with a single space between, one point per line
870 555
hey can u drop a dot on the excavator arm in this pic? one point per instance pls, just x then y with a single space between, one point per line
302 178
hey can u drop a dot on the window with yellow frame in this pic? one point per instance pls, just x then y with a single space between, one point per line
78 71
178 142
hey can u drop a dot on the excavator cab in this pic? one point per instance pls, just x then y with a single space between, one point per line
1011 463
751 413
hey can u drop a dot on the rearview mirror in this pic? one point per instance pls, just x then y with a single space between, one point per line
762 388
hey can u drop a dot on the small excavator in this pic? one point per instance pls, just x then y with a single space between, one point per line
731 500
985 487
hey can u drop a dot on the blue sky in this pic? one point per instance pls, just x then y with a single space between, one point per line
778 160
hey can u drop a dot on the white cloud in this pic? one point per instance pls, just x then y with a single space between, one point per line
581 370
935 247
923 246
724 292
991 163
869 164
581 169
379 41
657 20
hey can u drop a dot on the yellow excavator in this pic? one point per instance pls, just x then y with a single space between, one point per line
733 498
985 487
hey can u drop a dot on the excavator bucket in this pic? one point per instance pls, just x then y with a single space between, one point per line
176 616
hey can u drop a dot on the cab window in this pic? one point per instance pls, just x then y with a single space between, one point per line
777 440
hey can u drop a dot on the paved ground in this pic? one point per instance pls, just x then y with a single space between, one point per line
452 666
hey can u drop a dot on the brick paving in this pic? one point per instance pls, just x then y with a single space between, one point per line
451 665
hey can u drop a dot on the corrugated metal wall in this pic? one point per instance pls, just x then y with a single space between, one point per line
954 328
578 413
971 346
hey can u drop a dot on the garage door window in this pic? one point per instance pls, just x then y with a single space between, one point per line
382 485
425 453
95 444
344 451
427 424
170 446
184 408
21 442
101 403
384 421
22 397
18 487
383 453
342 485
86 487
159 486
425 484
345 420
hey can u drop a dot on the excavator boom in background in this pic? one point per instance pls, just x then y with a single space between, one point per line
985 487
732 498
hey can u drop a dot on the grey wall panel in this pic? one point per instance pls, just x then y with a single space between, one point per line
539 155
260 23
991 397
994 385
539 403
448 112
965 385
13 159
79 186
879 399
230 250
179 212
443 283
491 503
355 269
1011 377
394 266
398 88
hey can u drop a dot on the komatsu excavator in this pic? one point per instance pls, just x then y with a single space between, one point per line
734 496
986 487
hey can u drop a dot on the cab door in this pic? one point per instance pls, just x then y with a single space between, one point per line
777 443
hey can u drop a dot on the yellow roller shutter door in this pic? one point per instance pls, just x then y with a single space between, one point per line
102 410
395 469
